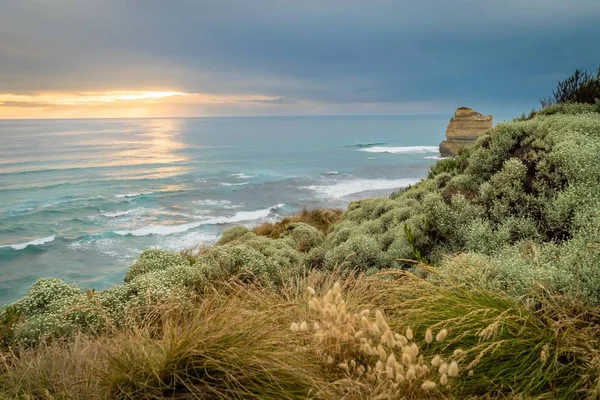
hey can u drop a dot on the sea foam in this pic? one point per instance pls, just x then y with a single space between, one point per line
129 195
234 184
163 230
36 242
117 214
345 188
400 150
243 176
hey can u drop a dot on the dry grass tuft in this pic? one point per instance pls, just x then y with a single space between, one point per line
322 219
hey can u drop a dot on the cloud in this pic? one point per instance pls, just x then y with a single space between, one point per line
294 52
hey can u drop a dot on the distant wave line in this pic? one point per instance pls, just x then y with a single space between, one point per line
400 149
36 242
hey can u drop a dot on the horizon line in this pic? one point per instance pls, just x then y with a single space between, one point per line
230 116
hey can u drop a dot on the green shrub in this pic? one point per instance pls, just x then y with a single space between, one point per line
581 87
232 234
154 260
243 261
41 328
359 252
44 294
304 236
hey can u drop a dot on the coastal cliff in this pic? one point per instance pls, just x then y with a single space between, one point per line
463 129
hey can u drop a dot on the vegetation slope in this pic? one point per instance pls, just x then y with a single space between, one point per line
480 281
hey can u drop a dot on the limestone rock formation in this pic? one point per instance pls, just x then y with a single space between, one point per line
464 128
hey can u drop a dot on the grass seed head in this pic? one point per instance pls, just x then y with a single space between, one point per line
391 361
411 375
443 368
337 289
428 385
459 353
409 334
453 369
294 327
441 335
428 336
401 339
444 380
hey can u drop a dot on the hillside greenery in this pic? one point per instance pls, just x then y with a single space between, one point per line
480 281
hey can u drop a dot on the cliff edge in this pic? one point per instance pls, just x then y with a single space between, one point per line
463 129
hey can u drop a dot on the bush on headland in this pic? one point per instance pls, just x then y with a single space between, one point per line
498 249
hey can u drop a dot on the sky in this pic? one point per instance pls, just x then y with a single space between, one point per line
194 58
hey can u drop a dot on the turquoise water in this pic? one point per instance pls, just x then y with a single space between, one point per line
80 199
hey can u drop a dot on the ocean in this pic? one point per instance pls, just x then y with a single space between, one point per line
80 199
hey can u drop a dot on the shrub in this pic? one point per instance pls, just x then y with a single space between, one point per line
321 219
242 261
154 260
358 252
44 294
232 234
304 236
581 87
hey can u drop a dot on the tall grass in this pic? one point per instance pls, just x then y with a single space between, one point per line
234 341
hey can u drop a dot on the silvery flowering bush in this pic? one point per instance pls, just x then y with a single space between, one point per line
154 260
304 236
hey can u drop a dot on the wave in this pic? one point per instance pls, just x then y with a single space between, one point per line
401 150
233 184
36 242
130 195
434 157
188 241
364 145
163 230
345 188
218 203
330 173
242 176
117 214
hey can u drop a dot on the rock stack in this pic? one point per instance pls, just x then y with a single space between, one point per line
464 128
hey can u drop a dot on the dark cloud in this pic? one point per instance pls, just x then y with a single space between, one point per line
332 51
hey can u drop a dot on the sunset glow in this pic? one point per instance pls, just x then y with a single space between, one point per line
118 104
86 98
